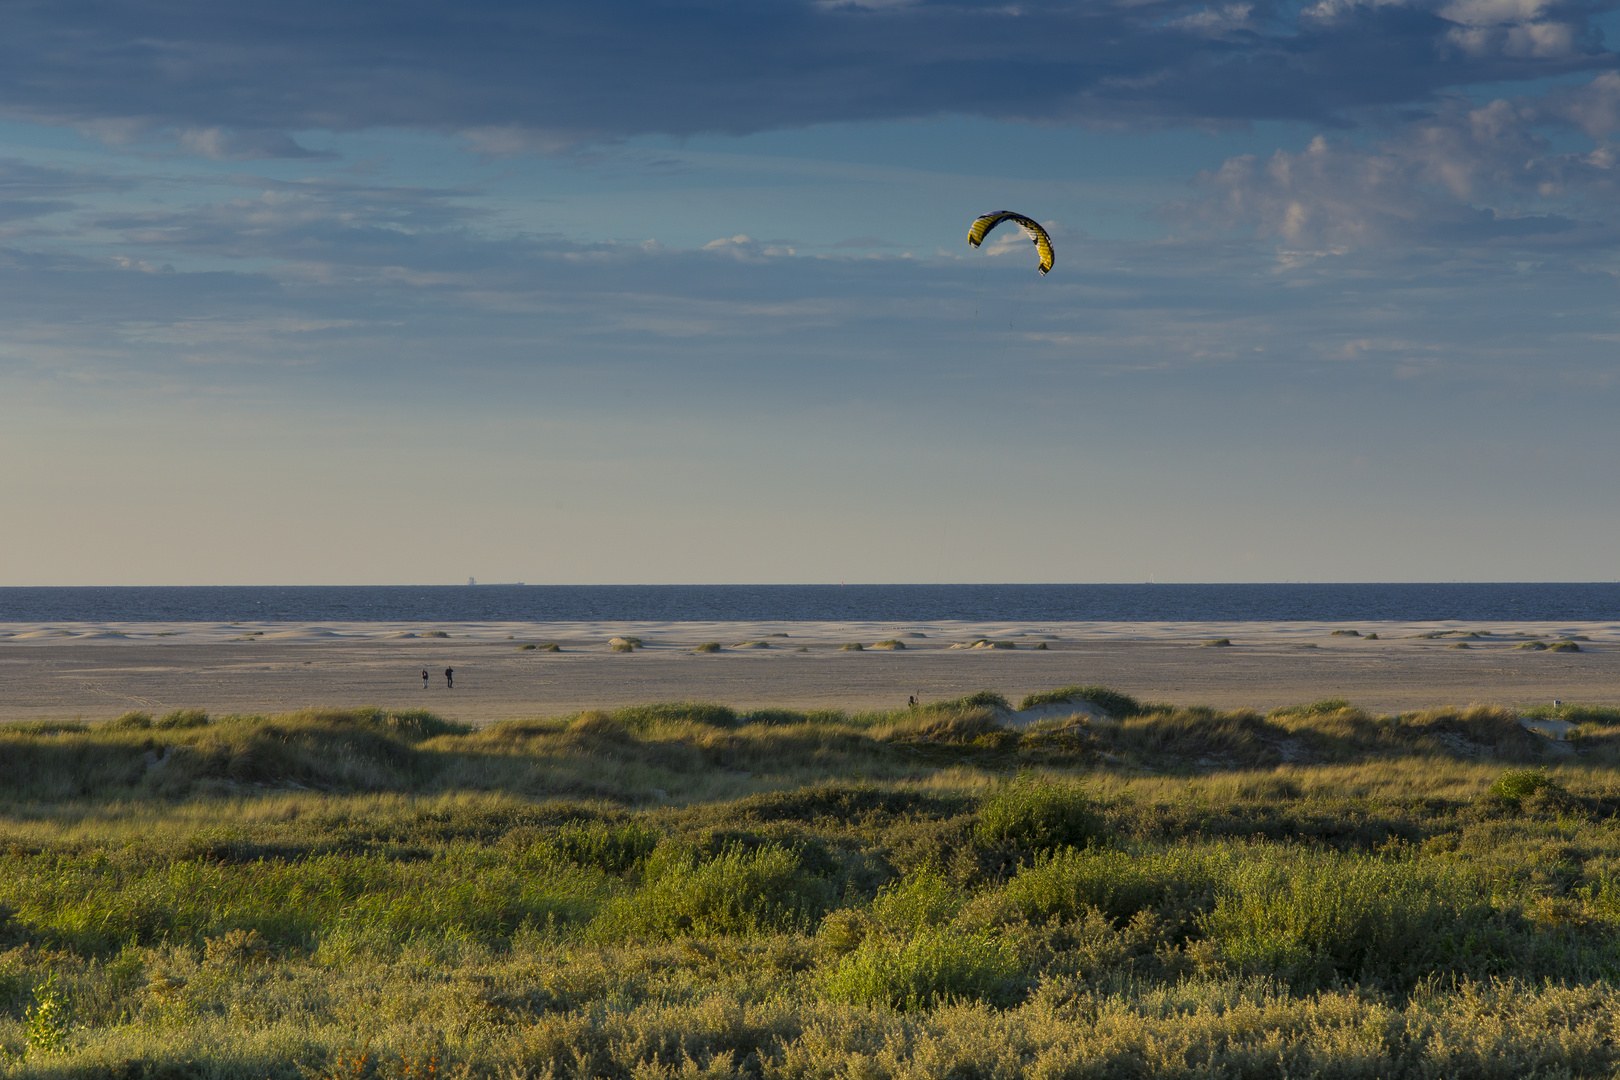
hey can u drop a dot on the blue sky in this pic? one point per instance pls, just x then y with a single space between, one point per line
679 292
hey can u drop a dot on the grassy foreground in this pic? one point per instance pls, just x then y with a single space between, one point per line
683 890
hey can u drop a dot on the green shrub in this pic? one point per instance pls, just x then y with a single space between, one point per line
49 1019
1067 883
1316 917
934 966
1218 642
1538 646
1515 785
708 646
1563 646
1345 633
852 646
919 900
890 643
740 891
612 848
1038 817
526 648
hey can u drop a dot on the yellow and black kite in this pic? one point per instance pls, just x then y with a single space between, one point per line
1043 243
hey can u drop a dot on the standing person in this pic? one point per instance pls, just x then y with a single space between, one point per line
424 678
449 678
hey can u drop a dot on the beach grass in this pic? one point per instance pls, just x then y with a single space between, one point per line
1109 701
691 889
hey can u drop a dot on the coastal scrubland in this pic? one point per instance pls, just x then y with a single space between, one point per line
1115 889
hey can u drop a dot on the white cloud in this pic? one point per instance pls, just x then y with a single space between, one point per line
1480 174
1217 21
746 249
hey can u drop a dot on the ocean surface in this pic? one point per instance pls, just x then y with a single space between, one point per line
1594 602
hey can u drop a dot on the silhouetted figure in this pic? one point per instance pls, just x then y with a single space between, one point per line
424 678
449 678
911 702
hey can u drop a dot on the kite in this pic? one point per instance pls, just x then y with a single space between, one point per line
1043 243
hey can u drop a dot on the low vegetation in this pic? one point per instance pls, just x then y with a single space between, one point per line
687 889
1109 701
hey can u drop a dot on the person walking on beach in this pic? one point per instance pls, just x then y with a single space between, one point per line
424 678
449 678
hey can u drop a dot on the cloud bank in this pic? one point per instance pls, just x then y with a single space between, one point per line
230 80
1466 175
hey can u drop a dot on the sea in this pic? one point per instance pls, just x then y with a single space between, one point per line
1306 602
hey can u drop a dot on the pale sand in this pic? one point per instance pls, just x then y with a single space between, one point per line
97 671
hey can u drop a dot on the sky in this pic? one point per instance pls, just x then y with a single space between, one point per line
678 291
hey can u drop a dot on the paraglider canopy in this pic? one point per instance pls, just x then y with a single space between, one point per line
1043 243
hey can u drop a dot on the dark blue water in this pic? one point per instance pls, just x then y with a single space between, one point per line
866 603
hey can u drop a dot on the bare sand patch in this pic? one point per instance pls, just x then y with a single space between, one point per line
66 670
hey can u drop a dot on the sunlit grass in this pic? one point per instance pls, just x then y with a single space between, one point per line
909 893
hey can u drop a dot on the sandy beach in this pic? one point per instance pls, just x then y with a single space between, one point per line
97 671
